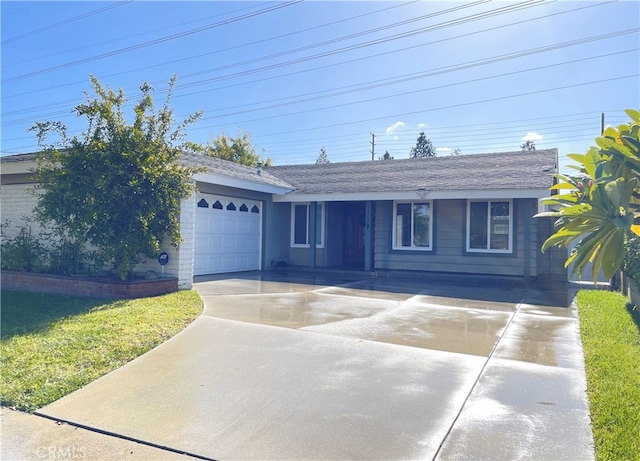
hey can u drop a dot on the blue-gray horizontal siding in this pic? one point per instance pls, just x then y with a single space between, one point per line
449 241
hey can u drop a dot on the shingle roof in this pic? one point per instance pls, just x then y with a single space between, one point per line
233 170
508 170
212 165
17 158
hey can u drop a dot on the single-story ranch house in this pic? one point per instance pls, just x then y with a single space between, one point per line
469 214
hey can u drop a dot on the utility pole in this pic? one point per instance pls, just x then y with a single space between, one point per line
602 124
373 146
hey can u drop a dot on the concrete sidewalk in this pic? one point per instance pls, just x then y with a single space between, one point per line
349 370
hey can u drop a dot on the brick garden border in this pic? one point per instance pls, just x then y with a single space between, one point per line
87 286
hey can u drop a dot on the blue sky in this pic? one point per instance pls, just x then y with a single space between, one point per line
477 76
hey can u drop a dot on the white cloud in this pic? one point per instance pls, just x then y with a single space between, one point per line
532 136
422 125
443 150
394 127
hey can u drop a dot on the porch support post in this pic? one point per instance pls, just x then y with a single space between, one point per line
313 214
526 220
368 237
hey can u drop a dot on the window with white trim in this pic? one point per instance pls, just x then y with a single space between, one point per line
490 226
412 225
301 221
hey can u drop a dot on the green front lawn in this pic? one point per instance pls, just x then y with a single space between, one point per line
52 345
610 331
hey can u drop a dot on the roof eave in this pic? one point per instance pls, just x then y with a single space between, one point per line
241 183
474 194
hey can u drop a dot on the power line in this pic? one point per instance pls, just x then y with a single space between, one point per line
104 42
439 87
230 76
451 23
423 111
349 89
382 82
152 42
419 75
258 42
66 21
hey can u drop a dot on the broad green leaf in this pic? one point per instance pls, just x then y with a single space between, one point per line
633 114
613 253
608 145
579 158
591 160
613 191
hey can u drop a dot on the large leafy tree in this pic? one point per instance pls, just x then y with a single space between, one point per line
117 186
600 205
239 149
423 147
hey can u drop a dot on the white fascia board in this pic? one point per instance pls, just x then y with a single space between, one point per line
240 183
18 167
414 195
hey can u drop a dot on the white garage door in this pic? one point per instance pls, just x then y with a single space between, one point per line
228 234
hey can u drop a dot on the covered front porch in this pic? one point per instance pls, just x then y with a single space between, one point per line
337 235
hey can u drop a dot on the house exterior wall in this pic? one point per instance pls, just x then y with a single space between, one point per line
16 208
180 263
276 234
449 242
17 203
301 256
550 264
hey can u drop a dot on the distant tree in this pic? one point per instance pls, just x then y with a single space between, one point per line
386 156
116 187
456 152
322 157
528 145
423 148
238 150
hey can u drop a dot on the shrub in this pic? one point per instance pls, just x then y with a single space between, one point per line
27 252
631 265
67 256
24 252
116 187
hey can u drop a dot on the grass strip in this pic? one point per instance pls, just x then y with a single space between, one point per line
610 330
52 345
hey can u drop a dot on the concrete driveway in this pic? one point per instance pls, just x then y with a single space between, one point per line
301 367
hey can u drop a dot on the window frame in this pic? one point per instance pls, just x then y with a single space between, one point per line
322 215
395 227
488 249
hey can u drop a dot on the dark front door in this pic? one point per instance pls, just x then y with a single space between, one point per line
354 234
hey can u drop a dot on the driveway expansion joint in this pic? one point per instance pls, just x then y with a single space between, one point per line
482 370
122 437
